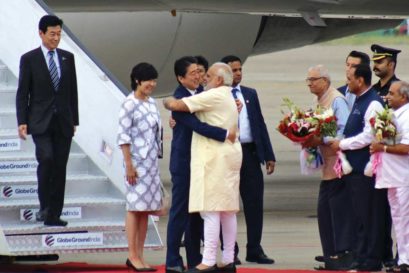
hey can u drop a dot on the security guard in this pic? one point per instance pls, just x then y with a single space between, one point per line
384 67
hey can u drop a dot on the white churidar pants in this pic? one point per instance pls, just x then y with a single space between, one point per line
399 203
212 222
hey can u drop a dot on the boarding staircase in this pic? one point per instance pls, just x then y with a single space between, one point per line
94 202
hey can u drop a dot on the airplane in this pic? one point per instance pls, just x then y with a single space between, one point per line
116 35
121 33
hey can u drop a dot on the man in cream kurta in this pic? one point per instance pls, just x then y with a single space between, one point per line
215 166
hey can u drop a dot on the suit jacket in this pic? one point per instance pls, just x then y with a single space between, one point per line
257 125
36 99
186 123
343 89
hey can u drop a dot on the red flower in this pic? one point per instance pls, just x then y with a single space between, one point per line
372 121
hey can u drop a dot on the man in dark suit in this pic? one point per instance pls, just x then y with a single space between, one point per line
187 75
353 58
47 108
257 150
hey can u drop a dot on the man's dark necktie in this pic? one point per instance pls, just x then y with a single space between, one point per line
234 92
53 70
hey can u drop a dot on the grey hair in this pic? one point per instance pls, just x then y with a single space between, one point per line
403 88
223 70
322 70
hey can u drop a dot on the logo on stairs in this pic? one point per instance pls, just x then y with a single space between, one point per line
67 213
49 240
18 166
9 145
7 191
73 239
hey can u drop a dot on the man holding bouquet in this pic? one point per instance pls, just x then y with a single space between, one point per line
393 173
333 217
368 203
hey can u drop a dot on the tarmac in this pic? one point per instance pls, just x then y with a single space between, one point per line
290 233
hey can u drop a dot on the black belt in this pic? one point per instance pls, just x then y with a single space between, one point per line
248 145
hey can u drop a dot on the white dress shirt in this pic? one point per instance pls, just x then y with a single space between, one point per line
244 122
55 57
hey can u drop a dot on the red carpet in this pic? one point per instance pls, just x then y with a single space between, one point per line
95 268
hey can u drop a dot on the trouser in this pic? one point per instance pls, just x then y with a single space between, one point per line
335 221
212 223
399 203
178 222
193 238
388 244
52 149
368 206
252 193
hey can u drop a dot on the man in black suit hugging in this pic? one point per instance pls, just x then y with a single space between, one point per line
47 108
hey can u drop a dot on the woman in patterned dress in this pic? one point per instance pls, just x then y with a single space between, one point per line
139 139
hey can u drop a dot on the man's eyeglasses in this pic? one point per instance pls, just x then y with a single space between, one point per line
313 79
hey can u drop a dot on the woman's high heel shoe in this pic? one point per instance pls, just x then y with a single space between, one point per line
140 269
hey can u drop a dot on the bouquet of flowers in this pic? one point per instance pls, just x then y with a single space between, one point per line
298 126
383 128
384 131
328 130
327 122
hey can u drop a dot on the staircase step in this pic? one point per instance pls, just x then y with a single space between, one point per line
69 202
8 119
9 138
73 226
33 239
8 95
18 163
14 187
7 79
55 242
71 212
32 179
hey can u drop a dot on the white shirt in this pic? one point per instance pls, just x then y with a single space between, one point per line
364 138
244 122
192 92
55 57
394 171
350 97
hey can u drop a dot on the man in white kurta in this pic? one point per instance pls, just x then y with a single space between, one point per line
215 166
393 173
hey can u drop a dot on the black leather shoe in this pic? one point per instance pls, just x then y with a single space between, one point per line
369 267
237 261
389 265
231 267
212 269
319 258
175 269
40 216
55 222
260 259
341 262
404 268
